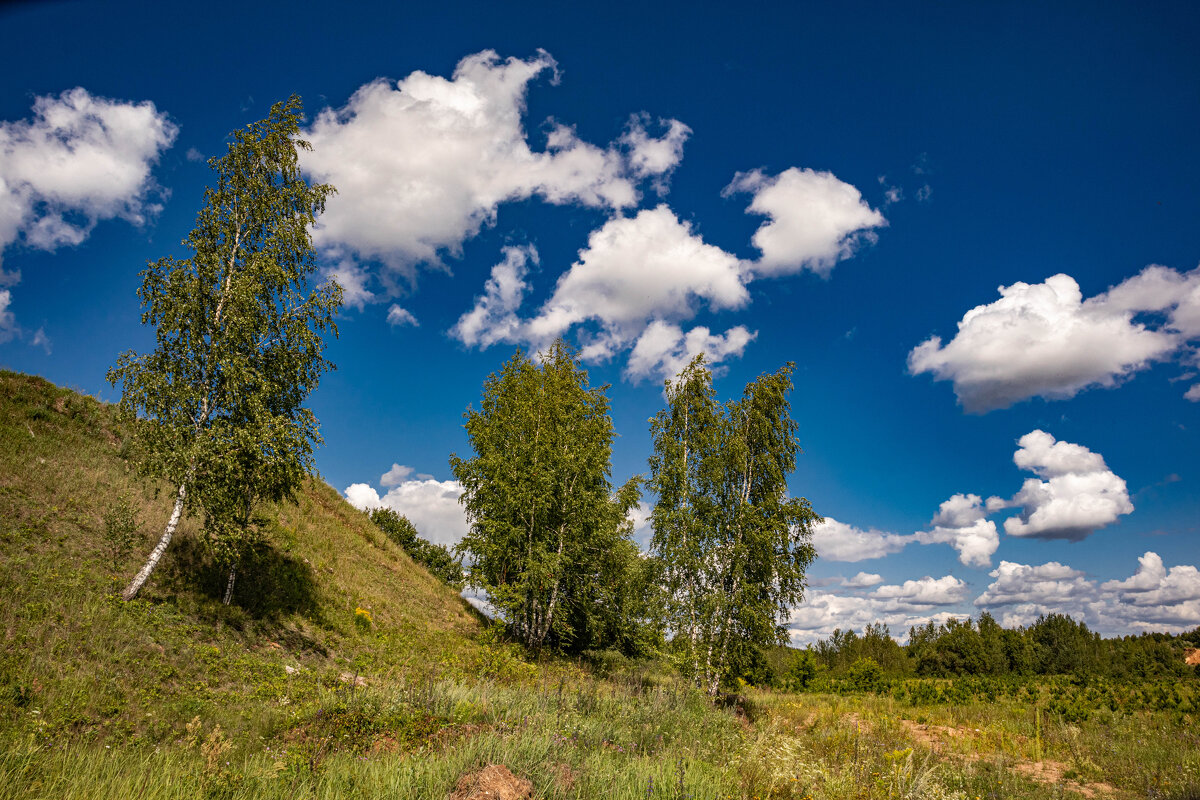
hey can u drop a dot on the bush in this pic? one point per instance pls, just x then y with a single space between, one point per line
121 530
865 675
433 557
801 671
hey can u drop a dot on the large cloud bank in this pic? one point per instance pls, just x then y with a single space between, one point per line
1154 598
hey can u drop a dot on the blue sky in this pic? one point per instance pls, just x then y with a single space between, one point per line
829 184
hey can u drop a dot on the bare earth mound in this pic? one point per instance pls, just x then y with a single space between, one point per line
493 782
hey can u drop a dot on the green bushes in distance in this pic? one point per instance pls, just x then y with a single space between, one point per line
1053 646
434 557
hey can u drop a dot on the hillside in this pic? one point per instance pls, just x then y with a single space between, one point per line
293 692
91 663
290 691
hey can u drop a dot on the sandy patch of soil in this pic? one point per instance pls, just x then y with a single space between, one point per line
493 782
1048 772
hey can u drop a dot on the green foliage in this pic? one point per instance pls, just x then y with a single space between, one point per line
549 538
434 557
865 675
217 406
801 670
730 543
121 530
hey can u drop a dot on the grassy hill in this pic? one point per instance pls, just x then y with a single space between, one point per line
92 664
292 692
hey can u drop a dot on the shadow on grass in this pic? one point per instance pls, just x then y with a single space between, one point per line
271 584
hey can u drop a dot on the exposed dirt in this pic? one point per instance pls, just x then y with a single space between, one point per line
1192 657
1048 772
493 782
935 736
1052 772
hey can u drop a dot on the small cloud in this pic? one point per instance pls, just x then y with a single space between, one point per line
891 194
814 220
194 155
40 339
924 193
1074 494
862 580
395 476
401 316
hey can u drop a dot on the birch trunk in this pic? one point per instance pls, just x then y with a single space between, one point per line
229 585
143 575
156 554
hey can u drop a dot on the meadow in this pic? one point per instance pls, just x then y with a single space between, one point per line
345 670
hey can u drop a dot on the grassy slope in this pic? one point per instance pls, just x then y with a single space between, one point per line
91 664
177 696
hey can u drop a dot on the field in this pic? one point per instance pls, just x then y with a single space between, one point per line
344 670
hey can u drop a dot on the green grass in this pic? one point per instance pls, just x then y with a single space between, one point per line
284 695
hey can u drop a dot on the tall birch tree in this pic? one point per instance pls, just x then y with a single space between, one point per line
217 406
547 526
732 545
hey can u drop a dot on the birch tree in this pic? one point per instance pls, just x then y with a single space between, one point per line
217 406
731 543
545 520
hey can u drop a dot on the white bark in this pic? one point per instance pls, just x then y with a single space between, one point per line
143 575
229 585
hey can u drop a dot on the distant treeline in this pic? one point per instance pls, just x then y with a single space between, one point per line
1055 644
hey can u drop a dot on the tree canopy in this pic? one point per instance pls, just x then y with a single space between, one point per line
218 405
731 543
549 535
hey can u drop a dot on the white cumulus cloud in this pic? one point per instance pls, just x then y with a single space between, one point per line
1075 494
1155 594
664 349
494 318
1045 340
862 580
837 541
395 476
923 593
634 270
431 506
961 523
823 612
79 159
1154 598
814 220
8 320
421 165
1043 589
399 316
